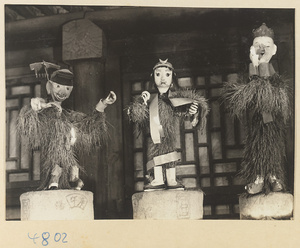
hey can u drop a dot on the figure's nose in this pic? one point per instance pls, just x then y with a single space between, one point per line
262 49
63 92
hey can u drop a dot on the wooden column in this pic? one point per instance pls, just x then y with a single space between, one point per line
84 47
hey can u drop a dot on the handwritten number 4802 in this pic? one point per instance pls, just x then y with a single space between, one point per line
46 238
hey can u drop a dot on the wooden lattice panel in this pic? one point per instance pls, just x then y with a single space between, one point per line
22 164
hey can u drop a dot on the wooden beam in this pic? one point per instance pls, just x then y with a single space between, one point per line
104 17
27 11
47 10
11 15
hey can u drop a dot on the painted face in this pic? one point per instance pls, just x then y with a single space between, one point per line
163 79
59 92
264 47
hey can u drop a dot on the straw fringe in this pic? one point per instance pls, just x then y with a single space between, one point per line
264 152
51 131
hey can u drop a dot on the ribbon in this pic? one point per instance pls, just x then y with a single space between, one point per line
156 129
163 159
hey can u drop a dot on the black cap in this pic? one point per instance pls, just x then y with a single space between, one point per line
63 77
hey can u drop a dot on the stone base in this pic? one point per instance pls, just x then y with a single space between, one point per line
57 205
275 205
168 204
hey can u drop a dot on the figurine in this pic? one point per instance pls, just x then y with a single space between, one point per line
263 98
157 115
58 132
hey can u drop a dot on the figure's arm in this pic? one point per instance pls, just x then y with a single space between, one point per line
110 99
138 110
238 96
91 130
28 126
198 110
38 104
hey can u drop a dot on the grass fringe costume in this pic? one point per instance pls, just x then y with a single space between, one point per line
50 131
264 152
263 98
60 133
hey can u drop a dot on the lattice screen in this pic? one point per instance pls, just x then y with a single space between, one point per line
22 165
209 160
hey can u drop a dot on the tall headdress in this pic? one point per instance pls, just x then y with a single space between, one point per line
263 30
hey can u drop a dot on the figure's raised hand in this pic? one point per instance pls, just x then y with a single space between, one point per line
146 96
253 56
193 109
111 98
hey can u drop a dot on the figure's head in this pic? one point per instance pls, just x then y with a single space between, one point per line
263 42
163 76
60 85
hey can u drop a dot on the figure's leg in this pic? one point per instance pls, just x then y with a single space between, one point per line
276 184
255 187
75 181
55 176
172 181
155 179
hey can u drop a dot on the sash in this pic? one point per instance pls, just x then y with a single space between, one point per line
163 159
156 130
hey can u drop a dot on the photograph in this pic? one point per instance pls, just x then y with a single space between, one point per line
230 135
131 112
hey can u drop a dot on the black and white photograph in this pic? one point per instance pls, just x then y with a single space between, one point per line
148 113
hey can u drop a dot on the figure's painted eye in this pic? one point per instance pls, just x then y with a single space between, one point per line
68 88
57 86
157 74
168 74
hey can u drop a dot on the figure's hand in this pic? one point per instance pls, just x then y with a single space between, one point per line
193 108
146 96
37 104
111 98
54 104
262 54
253 56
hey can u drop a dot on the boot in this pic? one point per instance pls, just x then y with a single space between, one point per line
55 176
276 184
255 187
156 183
172 182
75 181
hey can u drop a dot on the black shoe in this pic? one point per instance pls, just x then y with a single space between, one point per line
53 188
178 186
77 184
277 186
150 187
